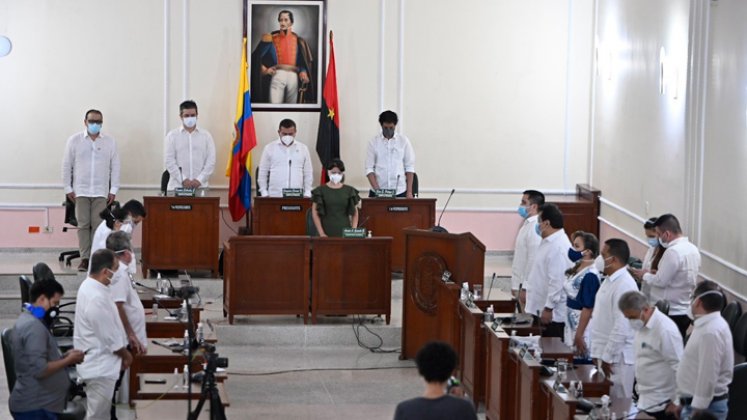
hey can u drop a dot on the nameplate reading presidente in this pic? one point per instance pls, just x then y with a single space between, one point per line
184 192
292 193
399 209
291 208
385 193
181 207
354 233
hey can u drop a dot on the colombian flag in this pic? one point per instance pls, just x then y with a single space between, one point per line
328 137
239 167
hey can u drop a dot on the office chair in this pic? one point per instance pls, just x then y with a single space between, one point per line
256 183
731 314
739 335
75 409
737 402
70 219
310 227
25 284
62 325
165 177
663 306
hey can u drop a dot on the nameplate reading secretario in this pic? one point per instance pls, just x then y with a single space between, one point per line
184 192
181 207
399 209
385 193
291 208
292 193
354 233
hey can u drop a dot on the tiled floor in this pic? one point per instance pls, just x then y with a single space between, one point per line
273 375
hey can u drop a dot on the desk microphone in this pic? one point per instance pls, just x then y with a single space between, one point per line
148 287
171 292
438 227
181 176
363 223
396 185
491 287
289 172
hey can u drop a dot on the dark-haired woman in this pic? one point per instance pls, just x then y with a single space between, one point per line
334 204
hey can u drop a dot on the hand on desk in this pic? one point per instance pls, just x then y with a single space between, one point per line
135 344
546 317
674 410
580 344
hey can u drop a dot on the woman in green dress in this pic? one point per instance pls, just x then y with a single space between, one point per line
334 205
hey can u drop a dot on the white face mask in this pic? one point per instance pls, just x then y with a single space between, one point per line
690 313
599 264
126 227
189 122
636 324
335 178
287 140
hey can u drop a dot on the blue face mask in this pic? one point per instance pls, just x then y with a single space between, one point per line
653 242
574 255
537 229
94 128
523 212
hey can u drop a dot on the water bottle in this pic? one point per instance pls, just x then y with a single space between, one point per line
200 333
185 378
186 341
464 294
605 410
159 283
489 314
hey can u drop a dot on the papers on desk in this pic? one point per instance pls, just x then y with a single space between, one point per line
528 342
161 296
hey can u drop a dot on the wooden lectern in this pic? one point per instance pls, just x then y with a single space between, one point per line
389 216
427 255
279 216
181 233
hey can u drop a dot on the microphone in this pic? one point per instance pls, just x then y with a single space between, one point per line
438 227
396 185
148 287
491 287
363 223
289 173
171 292
181 177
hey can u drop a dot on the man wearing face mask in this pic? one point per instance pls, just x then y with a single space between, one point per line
285 163
527 241
677 273
706 369
100 335
545 296
611 335
189 151
390 159
90 176
658 350
42 381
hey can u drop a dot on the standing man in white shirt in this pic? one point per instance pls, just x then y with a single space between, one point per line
285 163
658 350
99 334
189 152
707 366
677 274
527 241
390 159
545 296
611 335
90 176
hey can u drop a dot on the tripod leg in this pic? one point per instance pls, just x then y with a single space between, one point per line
217 411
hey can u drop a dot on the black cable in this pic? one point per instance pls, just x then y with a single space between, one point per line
373 349
281 372
223 217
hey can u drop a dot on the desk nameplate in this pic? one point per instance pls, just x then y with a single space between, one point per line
293 207
181 207
398 209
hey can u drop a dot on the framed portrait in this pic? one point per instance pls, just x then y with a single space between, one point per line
286 53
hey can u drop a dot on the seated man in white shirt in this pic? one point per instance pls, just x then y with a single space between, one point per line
189 152
390 159
658 350
611 335
546 299
677 273
100 335
285 163
707 365
527 241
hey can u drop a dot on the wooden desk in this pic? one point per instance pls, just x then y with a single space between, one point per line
174 390
147 297
560 405
580 211
166 328
619 406
279 216
428 255
389 216
529 401
472 353
351 276
169 409
181 233
159 360
266 275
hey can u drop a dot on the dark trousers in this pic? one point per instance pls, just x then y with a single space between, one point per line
683 323
553 329
661 415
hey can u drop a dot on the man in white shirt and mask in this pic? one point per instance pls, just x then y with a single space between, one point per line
678 270
90 176
545 295
658 350
707 365
285 163
527 241
189 152
390 159
100 335
611 335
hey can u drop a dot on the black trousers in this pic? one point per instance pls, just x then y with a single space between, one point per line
553 329
683 323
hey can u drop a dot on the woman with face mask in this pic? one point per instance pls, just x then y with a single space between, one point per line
581 287
114 219
334 204
653 254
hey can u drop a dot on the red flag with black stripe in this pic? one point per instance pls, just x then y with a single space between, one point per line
328 137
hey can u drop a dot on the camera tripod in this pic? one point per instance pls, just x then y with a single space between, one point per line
210 390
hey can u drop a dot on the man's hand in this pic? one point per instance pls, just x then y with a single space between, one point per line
580 344
523 296
409 194
74 356
674 410
196 183
110 199
268 71
304 77
126 359
637 273
135 344
546 316
607 369
71 195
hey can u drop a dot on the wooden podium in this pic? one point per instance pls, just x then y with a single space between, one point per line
580 211
279 216
427 255
181 233
389 216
